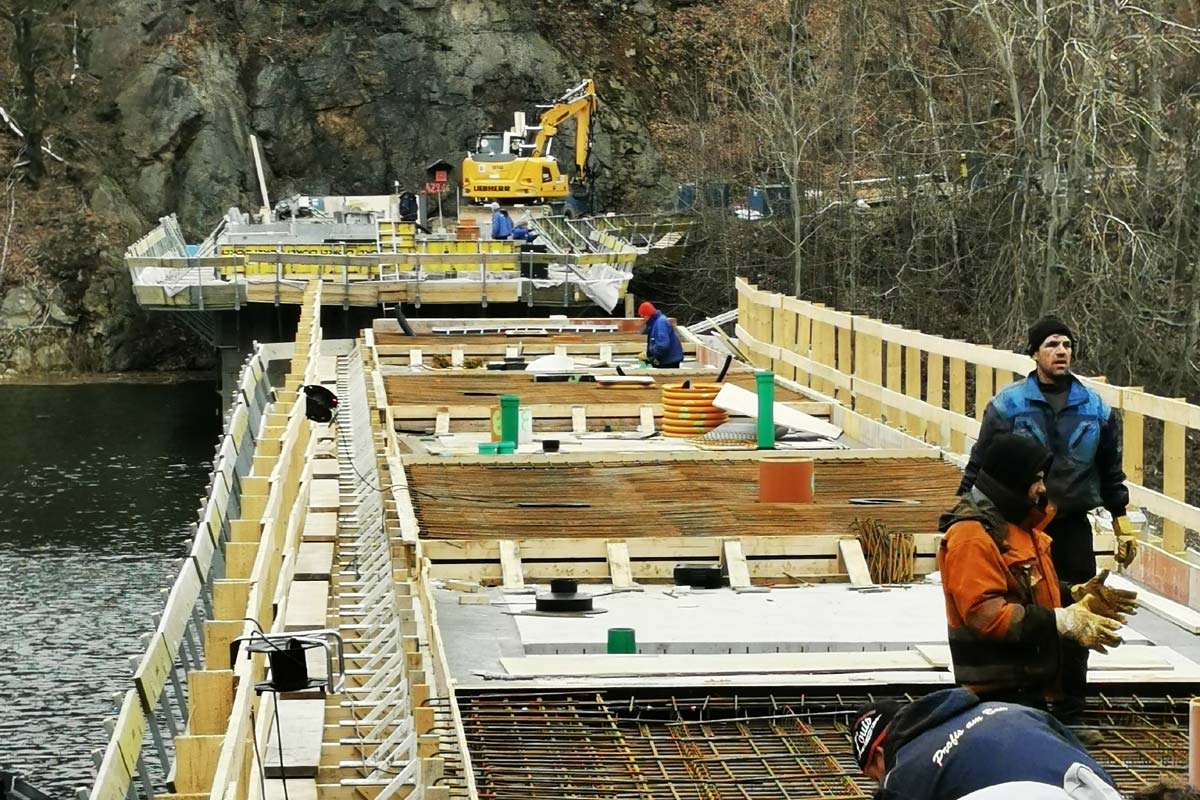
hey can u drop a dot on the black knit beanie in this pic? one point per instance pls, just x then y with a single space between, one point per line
1013 461
1046 327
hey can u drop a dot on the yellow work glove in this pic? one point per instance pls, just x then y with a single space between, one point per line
1106 601
1081 624
1126 541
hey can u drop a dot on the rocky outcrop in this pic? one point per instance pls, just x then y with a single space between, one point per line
346 98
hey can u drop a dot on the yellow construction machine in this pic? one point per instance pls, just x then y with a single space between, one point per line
508 167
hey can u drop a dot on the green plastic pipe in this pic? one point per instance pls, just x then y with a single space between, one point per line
509 418
765 381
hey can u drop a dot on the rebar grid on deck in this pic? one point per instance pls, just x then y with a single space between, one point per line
529 746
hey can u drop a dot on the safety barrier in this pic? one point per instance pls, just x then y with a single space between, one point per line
918 382
151 717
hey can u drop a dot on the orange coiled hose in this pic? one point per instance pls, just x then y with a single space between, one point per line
689 412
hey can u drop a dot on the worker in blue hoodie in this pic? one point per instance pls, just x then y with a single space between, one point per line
502 226
949 745
663 348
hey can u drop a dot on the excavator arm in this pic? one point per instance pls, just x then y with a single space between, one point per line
578 104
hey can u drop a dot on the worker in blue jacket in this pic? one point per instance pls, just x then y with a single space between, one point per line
663 348
1083 433
951 746
502 226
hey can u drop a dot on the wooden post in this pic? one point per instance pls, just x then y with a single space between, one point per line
915 424
846 360
783 335
803 346
210 699
893 378
958 401
934 394
1174 454
984 388
1133 427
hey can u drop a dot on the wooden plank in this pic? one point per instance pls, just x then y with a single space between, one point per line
324 468
217 636
230 598
603 665
933 395
743 401
152 672
892 380
854 562
180 602
985 389
239 559
1138 657
618 565
778 570
324 496
510 565
314 561
320 526
245 530
914 423
304 721
1174 481
1133 427
196 762
307 606
846 357
210 699
735 565
958 401
297 789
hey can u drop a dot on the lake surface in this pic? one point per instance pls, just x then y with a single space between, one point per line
99 486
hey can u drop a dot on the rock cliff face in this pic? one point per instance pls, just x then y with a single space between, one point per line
346 98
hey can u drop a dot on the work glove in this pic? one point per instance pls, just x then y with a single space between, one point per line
1082 625
1106 601
1126 541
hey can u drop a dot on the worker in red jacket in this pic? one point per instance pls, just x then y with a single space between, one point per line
1006 622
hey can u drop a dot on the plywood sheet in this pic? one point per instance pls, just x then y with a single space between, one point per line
314 561
320 526
324 495
303 724
307 605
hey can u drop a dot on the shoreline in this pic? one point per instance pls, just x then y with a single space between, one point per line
82 378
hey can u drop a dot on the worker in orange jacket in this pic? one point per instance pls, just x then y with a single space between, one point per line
1004 604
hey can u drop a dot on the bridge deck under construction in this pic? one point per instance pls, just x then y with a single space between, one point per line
399 529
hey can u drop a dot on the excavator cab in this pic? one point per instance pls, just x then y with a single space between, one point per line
508 167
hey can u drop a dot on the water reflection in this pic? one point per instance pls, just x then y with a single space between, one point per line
98 485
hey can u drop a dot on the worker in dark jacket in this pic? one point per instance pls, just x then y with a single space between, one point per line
663 348
1083 433
1004 601
950 745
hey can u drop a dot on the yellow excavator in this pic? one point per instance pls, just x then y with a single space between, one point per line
508 167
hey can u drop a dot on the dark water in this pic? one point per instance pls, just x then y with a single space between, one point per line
98 484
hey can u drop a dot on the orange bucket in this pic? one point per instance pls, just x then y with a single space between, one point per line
786 480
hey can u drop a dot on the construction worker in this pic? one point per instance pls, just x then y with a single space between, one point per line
1004 602
1083 433
502 226
950 744
663 348
524 232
